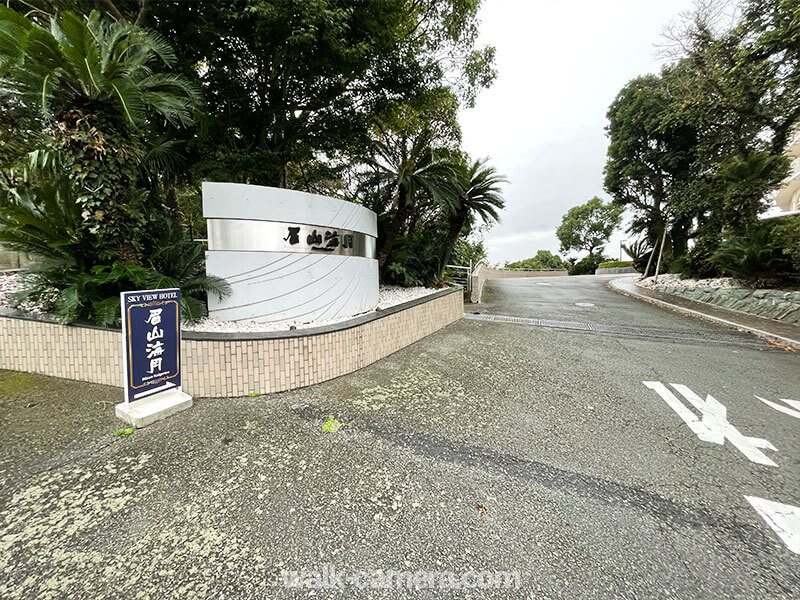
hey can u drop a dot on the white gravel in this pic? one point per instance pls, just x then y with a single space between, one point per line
675 280
8 285
388 296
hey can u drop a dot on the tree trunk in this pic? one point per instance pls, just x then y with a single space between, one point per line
457 222
171 200
394 227
680 237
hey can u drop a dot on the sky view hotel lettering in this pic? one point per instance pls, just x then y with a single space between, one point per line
289 255
151 342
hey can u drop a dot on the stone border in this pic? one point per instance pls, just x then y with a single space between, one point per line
13 261
482 273
778 305
227 364
626 287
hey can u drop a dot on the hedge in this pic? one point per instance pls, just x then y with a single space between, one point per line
614 264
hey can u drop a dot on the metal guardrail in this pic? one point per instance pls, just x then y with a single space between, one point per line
460 275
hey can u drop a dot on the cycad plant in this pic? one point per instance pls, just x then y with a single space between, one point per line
639 250
72 280
102 91
741 181
178 262
480 197
755 258
92 65
412 168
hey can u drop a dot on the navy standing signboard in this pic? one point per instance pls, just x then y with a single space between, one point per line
151 332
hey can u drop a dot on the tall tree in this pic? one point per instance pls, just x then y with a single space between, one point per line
703 142
99 90
648 153
542 260
411 167
771 35
588 226
738 91
289 83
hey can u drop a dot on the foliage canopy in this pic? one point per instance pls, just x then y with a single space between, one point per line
588 226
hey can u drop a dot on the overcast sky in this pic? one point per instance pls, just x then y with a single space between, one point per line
560 64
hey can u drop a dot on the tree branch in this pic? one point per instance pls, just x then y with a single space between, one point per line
144 5
114 11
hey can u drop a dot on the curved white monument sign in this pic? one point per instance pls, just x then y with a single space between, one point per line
289 255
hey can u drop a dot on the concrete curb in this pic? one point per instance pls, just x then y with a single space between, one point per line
615 285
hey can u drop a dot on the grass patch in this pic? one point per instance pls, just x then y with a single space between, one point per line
16 383
615 264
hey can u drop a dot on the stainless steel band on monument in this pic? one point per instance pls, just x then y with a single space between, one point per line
273 236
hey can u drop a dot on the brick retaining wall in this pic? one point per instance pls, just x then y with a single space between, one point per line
230 365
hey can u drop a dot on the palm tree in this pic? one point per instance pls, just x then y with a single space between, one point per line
745 177
412 168
481 197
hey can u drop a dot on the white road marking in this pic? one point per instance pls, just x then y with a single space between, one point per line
795 404
701 430
784 519
584 304
543 283
714 426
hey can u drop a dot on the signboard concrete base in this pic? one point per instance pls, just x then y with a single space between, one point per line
155 408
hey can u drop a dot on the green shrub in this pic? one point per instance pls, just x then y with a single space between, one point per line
415 260
615 264
543 260
693 265
587 265
78 283
786 234
756 258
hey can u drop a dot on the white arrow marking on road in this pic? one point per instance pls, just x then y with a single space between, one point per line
701 430
715 416
779 407
783 518
714 426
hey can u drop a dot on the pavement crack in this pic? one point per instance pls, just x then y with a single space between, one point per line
666 535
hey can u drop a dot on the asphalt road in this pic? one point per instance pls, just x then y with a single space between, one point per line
488 446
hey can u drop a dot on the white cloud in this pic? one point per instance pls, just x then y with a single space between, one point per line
542 122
